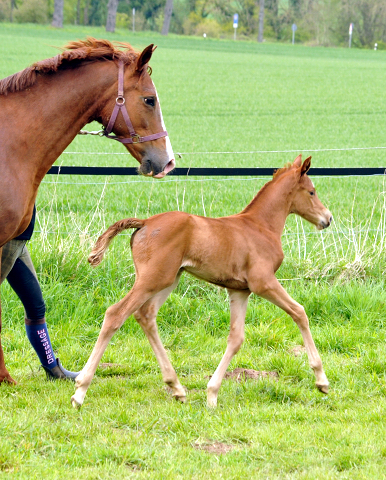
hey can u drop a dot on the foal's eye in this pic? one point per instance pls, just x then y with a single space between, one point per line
312 193
149 101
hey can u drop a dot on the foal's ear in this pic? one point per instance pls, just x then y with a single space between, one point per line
145 57
306 166
298 161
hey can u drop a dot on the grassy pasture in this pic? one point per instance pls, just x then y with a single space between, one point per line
217 96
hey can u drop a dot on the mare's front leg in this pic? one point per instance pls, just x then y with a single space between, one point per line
146 317
238 300
4 374
272 290
114 319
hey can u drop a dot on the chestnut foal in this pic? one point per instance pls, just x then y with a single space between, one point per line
241 253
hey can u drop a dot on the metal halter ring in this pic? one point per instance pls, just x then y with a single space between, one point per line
120 100
136 138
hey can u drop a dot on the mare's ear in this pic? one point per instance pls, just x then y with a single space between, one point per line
298 161
306 166
145 57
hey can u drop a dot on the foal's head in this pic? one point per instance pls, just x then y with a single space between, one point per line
305 202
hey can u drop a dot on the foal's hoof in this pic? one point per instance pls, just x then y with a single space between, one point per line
181 395
75 403
178 393
323 388
211 396
211 401
180 398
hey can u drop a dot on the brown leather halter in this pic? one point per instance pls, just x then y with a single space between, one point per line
120 107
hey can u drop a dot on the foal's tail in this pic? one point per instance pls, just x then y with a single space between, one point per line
104 240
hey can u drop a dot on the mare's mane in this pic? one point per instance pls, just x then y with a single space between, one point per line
277 174
73 55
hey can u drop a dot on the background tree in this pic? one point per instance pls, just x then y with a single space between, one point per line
112 8
85 12
261 21
13 6
167 17
77 21
57 19
369 18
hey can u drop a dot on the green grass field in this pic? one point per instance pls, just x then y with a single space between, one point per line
217 96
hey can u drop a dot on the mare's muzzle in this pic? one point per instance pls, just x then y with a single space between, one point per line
156 168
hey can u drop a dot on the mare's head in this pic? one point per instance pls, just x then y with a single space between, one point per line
140 101
142 104
305 201
137 121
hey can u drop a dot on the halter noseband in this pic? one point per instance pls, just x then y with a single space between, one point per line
120 107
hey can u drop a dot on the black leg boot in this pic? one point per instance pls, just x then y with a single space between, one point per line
60 372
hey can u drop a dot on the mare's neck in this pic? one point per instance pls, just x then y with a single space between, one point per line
271 206
46 117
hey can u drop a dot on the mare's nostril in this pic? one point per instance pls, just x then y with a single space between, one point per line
146 167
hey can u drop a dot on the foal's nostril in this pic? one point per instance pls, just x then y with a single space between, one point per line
327 223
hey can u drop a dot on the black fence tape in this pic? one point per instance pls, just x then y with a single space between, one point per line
217 172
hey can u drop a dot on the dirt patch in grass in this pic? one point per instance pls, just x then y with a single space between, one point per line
133 466
110 365
298 350
240 374
217 448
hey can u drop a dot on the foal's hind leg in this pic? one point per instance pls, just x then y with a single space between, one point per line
114 318
146 317
276 294
238 300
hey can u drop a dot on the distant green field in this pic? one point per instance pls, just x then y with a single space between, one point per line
261 105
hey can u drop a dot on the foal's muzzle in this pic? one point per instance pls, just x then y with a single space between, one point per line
325 221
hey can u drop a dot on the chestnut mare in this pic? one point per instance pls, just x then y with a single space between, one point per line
44 107
241 253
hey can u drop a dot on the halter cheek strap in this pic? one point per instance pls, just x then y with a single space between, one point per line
121 107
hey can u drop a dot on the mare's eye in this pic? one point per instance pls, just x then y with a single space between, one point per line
149 101
312 193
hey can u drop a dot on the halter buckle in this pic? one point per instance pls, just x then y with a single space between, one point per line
136 138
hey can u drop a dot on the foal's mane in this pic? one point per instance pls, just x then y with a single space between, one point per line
277 174
74 54
282 170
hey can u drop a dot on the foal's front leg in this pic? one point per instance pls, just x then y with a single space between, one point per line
238 300
276 294
146 317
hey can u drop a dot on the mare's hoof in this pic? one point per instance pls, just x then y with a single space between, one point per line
8 379
323 388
